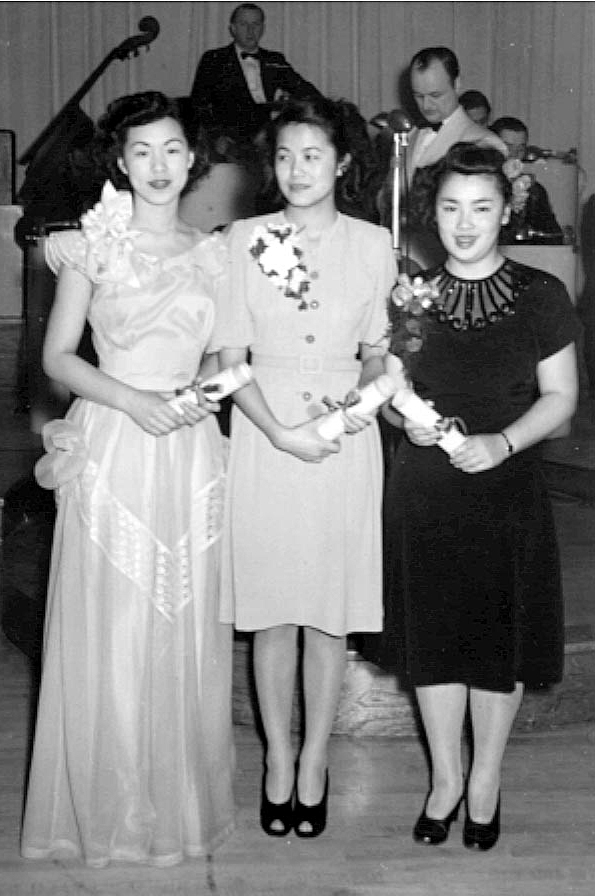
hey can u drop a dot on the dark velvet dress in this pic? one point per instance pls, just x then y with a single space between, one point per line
473 587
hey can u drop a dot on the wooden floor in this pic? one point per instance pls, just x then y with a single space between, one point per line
547 847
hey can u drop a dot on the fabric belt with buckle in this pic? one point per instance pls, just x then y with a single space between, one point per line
306 364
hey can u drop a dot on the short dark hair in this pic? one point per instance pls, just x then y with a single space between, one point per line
474 99
462 158
144 108
508 123
345 128
251 7
425 57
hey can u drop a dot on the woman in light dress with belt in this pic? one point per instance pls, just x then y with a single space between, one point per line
302 544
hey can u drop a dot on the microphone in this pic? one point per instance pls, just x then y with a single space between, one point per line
149 25
533 153
396 121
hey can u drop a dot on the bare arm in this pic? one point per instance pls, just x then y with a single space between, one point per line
372 358
302 441
148 409
209 365
557 378
373 366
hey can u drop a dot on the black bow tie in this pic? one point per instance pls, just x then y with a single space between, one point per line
246 55
436 126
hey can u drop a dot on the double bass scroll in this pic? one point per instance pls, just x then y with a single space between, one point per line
71 127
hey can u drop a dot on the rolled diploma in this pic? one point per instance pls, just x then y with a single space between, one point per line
371 397
218 386
411 406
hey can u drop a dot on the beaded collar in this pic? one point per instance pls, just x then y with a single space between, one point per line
473 304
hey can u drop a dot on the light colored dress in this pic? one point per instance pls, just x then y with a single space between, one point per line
133 753
302 541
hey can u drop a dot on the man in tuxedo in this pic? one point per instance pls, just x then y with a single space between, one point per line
235 86
434 78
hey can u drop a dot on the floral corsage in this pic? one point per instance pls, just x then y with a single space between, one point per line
411 299
280 259
111 241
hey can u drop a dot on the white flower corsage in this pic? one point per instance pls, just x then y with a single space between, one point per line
280 259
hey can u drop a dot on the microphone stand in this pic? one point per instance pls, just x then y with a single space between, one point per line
399 125
400 143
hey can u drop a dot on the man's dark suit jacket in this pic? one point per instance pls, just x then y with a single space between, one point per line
220 93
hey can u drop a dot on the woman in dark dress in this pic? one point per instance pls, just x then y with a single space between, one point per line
473 579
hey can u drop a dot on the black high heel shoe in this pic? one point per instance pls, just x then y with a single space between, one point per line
315 816
435 830
482 836
275 812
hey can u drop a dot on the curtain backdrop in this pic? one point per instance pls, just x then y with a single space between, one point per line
535 61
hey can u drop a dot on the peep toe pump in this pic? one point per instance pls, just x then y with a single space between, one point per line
434 830
482 836
315 816
275 812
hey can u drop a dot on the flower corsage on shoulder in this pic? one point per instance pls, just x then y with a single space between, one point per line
110 239
279 258
411 300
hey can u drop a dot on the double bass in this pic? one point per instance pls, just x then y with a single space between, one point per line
60 181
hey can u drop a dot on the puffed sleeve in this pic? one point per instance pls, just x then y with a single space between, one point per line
66 247
234 325
383 270
555 320
212 257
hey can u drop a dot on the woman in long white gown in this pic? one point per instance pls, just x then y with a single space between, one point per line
133 753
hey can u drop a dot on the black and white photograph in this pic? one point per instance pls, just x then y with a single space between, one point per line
297 453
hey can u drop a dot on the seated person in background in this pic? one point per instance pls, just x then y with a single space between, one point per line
476 106
234 86
532 220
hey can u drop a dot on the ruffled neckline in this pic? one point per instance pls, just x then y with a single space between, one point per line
112 249
475 304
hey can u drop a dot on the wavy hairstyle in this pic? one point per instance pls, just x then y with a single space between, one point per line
346 130
144 108
462 158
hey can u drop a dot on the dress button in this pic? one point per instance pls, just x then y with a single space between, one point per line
310 338
306 396
314 275
315 304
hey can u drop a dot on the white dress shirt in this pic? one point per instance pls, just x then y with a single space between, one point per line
251 69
